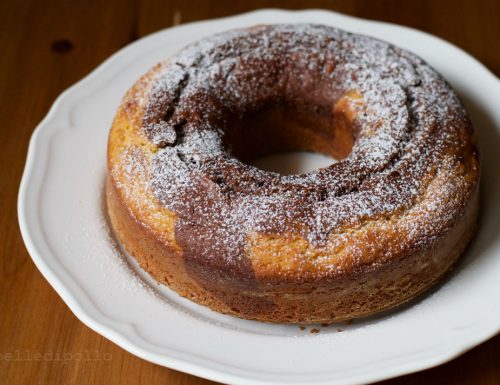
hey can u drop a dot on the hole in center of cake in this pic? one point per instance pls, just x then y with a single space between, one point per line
293 162
291 138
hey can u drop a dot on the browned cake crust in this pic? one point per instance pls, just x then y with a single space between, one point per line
365 234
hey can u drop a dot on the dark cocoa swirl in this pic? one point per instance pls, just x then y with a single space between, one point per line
409 128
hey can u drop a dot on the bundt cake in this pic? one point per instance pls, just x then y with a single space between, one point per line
369 232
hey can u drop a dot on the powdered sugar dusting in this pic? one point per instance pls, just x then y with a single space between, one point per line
410 125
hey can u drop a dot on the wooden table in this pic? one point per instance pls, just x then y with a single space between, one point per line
47 46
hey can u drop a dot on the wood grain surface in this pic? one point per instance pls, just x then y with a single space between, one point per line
47 46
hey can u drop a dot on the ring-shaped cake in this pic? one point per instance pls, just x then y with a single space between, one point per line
365 234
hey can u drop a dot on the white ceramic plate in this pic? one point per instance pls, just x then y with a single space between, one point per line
62 222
